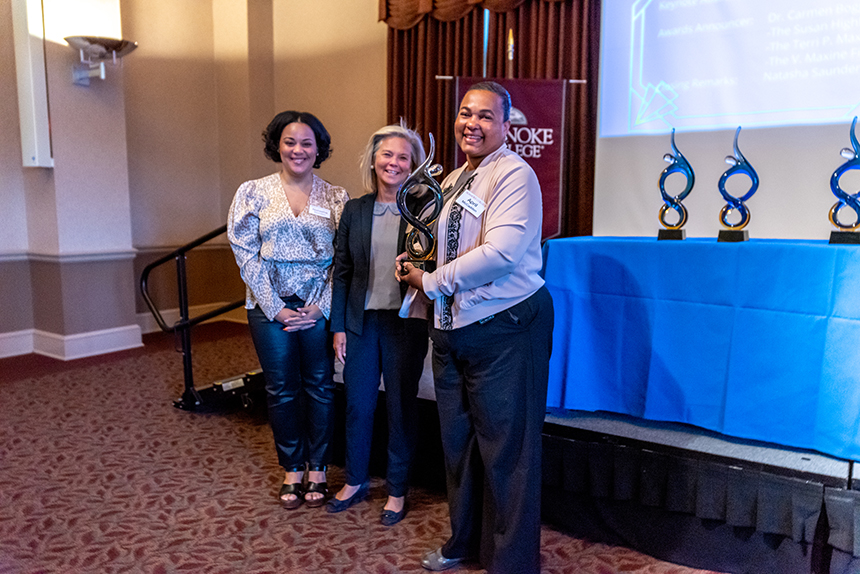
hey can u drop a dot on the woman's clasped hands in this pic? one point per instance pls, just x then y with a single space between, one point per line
299 319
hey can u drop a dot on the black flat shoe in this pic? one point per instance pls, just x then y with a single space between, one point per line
390 518
295 488
334 505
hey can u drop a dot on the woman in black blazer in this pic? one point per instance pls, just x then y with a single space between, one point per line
370 338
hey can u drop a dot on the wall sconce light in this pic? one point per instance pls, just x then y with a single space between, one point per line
94 51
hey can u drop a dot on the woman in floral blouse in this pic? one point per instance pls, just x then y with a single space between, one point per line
281 228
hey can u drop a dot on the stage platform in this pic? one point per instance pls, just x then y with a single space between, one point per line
703 443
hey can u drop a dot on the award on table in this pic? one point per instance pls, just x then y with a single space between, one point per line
677 164
414 203
846 233
735 232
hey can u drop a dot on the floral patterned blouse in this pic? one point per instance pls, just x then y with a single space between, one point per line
280 254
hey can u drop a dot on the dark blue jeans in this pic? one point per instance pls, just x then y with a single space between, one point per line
395 348
298 369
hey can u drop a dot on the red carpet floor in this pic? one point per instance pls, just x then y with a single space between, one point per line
99 473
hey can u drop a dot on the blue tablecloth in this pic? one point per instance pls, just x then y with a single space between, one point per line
757 340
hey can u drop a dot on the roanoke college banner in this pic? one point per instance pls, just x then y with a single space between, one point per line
536 134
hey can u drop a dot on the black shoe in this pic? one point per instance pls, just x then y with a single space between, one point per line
291 489
390 518
321 487
334 505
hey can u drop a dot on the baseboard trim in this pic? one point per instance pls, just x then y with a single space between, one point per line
77 346
148 325
67 347
16 343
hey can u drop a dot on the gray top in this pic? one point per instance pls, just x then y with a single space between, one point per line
383 291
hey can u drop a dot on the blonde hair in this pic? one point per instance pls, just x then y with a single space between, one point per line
368 176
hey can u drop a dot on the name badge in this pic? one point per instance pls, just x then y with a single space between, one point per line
471 203
320 211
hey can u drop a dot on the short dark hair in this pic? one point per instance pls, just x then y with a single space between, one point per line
272 135
499 90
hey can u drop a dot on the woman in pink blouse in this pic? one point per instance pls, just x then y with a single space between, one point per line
281 228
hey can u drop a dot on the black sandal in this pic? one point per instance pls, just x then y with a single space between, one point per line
287 489
321 487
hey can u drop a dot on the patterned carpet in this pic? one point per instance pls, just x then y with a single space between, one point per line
99 473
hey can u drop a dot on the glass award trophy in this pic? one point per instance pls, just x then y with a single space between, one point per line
420 202
734 232
677 164
846 233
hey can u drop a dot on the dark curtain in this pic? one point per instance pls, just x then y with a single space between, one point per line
558 40
415 57
553 39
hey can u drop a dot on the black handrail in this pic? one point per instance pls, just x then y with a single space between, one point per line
182 328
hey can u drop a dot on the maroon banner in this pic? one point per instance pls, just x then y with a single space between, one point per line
536 134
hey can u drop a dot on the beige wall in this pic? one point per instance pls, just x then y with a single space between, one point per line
70 224
17 296
172 121
150 158
208 77
71 302
90 190
16 300
13 233
333 66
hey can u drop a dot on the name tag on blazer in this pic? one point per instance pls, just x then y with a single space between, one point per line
471 203
320 211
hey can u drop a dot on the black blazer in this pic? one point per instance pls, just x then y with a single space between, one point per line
352 264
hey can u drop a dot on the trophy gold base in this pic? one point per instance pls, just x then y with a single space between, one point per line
427 265
733 235
675 234
844 238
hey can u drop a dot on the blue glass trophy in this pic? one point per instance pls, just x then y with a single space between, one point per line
677 164
735 232
846 233
414 199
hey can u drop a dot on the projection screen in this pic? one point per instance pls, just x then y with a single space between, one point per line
787 72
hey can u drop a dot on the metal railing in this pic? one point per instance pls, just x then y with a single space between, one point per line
182 328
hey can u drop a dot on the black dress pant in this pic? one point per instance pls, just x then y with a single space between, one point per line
394 348
298 369
491 385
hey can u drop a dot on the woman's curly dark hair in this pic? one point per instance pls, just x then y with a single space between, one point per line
272 135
